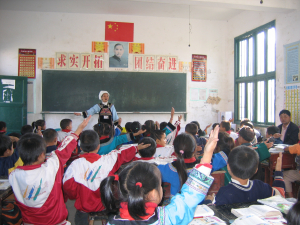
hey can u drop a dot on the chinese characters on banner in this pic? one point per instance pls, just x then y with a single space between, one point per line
136 48
61 60
149 62
161 63
292 98
99 46
86 61
45 63
199 68
138 62
74 60
98 61
27 63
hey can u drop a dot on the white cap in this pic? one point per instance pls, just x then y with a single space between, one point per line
101 93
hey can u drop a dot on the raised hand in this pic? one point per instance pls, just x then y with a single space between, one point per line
210 145
82 126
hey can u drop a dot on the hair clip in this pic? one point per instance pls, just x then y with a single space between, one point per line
116 177
138 184
181 152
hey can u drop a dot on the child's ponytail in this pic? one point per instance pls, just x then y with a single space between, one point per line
109 188
184 146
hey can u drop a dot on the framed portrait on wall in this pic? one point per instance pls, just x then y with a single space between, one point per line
118 54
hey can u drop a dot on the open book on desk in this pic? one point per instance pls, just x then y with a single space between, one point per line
277 202
258 210
205 216
255 220
278 148
4 184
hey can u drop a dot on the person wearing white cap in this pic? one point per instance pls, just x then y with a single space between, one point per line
107 111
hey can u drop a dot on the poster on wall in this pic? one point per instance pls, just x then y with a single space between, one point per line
27 63
184 66
291 100
292 62
136 48
118 54
199 68
198 94
45 63
98 46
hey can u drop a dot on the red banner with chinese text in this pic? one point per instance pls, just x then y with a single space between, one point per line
119 31
27 63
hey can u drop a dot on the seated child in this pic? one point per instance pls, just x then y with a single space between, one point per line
37 184
8 157
290 176
162 149
107 139
270 132
191 128
50 137
83 177
242 165
66 129
147 154
3 127
200 132
141 192
128 127
149 126
293 216
225 127
26 129
39 126
136 127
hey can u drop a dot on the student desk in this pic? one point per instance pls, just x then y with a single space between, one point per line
288 162
3 195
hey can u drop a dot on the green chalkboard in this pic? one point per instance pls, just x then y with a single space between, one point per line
76 91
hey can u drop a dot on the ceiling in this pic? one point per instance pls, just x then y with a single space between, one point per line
199 9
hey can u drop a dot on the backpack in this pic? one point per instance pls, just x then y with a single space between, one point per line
11 214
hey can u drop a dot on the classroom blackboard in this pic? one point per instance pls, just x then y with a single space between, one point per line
77 91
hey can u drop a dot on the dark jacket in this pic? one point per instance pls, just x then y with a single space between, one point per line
291 134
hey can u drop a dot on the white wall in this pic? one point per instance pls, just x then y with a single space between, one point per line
67 32
287 31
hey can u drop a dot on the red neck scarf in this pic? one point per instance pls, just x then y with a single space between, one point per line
228 132
104 137
190 160
149 206
66 130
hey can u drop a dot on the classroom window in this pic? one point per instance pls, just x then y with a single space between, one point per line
254 58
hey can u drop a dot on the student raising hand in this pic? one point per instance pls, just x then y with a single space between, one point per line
279 162
143 146
82 126
210 145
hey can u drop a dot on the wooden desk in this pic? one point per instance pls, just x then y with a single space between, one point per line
3 195
288 162
219 177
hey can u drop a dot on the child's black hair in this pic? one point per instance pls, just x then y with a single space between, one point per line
64 123
38 123
246 122
225 142
104 129
226 124
200 131
149 151
135 126
49 135
247 133
157 134
243 162
163 125
149 126
191 128
126 189
214 125
293 216
128 126
285 111
184 142
2 125
5 143
89 140
26 129
30 147
273 130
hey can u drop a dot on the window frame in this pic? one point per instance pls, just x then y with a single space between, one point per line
255 78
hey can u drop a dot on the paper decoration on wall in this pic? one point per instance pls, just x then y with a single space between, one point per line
138 62
118 54
150 62
213 97
86 61
61 60
291 63
98 61
27 63
8 87
136 48
98 46
292 102
198 94
172 63
119 31
185 66
161 63
45 63
199 68
74 61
